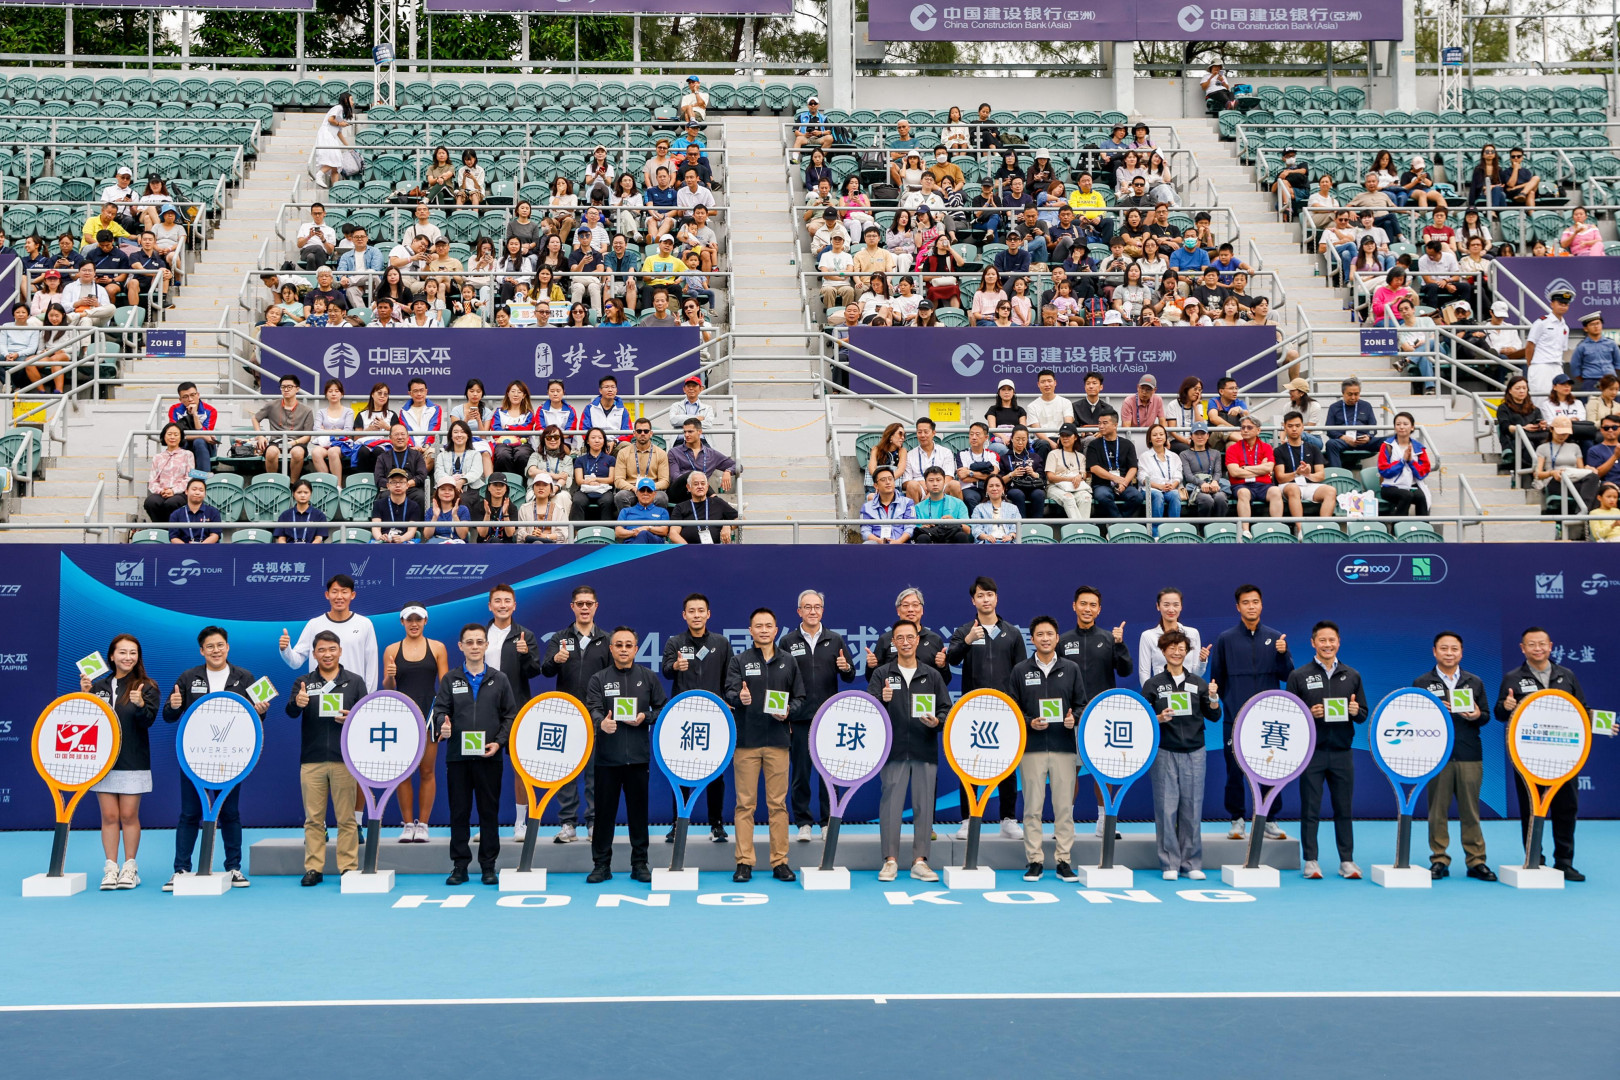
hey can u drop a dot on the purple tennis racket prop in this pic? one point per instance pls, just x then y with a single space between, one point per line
849 743
1273 740
383 740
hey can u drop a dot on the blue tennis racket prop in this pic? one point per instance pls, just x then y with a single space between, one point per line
692 744
1412 736
1119 737
218 743
849 742
383 739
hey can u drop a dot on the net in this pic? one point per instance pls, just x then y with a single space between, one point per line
851 743
551 738
1411 735
1118 738
1549 737
989 746
219 740
76 741
693 738
1264 757
384 737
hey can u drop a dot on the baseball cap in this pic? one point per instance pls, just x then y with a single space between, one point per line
1008 383
51 274
694 78
125 170
544 478
1298 384
1417 161
1590 315
690 379
1560 378
1068 429
1148 380
1199 425
813 100
1502 309
414 609
1464 305
401 473
646 483
496 478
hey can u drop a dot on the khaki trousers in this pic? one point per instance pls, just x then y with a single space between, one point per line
1061 770
746 766
1463 779
321 781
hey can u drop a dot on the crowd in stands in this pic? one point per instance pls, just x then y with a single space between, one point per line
450 475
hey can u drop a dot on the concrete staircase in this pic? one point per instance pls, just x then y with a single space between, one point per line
1449 425
783 424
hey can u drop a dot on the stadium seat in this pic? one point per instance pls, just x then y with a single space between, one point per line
1179 532
1129 532
1271 532
1031 532
1080 532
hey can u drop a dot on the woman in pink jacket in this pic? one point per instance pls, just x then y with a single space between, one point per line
1582 238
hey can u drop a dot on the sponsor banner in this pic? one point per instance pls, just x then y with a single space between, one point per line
447 358
1595 281
612 7
969 360
1149 20
192 5
70 600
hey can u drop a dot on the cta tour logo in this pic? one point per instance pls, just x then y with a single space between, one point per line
1384 569
1597 583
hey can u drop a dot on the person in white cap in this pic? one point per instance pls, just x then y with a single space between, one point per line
812 125
414 667
1419 185
1504 340
1549 338
695 102
1217 87
121 193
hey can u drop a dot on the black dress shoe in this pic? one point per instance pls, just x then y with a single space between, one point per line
488 877
1570 873
744 872
717 833
669 837
598 875
458 876
641 874
312 877
1482 872
1438 870
783 872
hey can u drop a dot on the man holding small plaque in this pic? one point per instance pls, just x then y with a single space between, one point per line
322 699
1333 693
1183 701
918 701
1539 672
763 687
623 700
1463 693
473 712
1047 689
696 659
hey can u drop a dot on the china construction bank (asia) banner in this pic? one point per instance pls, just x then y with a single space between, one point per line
59 604
1594 279
611 7
1147 20
446 358
971 360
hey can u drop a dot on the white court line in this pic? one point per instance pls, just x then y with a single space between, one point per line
1147 995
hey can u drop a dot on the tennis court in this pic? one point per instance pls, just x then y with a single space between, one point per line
1333 977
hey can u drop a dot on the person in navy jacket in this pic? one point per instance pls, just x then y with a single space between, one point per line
1245 660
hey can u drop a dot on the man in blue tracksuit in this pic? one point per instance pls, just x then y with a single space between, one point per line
1246 659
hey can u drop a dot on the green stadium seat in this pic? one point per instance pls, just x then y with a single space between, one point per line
1080 532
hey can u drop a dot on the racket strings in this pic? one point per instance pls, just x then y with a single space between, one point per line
1129 759
679 757
67 726
985 764
546 764
399 745
1264 760
863 744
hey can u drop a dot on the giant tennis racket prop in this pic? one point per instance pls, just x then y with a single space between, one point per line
692 744
1411 741
218 743
849 742
1119 737
1549 736
383 740
984 740
552 739
1273 739
76 741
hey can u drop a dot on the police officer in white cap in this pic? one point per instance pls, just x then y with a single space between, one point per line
1544 351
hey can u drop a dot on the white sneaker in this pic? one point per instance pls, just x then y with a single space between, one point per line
962 833
520 829
921 871
109 876
1195 875
1011 830
1312 870
804 834
168 886
239 880
407 833
129 876
422 832
1350 870
1170 875
1099 831
1274 833
890 871
1237 831
566 834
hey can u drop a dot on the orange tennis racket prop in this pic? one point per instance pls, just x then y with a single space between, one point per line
551 742
1549 737
984 741
76 741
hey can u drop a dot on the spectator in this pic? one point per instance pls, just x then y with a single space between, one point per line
384 319
895 513
1300 470
1604 403
284 414
1025 475
544 513
1227 410
171 467
948 513
700 246
694 103
196 514
1190 255
1605 456
1388 295
693 455
1322 204
553 459
1582 237
1519 183
1161 475
86 299
317 241
1418 186
1349 425
872 258
641 460
400 456
1561 402
1111 463
1208 490
461 463
1292 176
663 270
440 523
516 417
834 265
1403 462
593 478
999 512
988 297
1595 355
1251 467
701 508
394 511
375 420
300 518
1217 89
977 462
661 315
1416 342
55 347
192 414
1066 472
927 454
1380 203
1441 275
360 268
1146 408
937 269
643 508
104 222
423 419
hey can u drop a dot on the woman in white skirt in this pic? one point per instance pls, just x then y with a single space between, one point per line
335 139
134 700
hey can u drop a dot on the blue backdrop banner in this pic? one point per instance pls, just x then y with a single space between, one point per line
447 358
967 360
63 603
1594 279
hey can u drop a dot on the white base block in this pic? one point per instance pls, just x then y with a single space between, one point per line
1405 877
1542 877
1114 877
816 879
1250 877
675 880
43 885
957 877
515 880
356 882
202 884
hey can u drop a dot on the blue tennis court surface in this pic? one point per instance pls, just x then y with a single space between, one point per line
1166 967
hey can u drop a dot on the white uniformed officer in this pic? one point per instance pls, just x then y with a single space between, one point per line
1544 349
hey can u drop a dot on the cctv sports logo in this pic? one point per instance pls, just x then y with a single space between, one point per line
341 361
924 17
